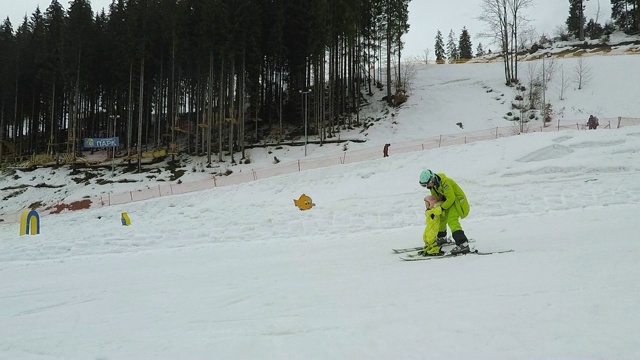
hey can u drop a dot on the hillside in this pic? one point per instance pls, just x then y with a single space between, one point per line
450 100
239 272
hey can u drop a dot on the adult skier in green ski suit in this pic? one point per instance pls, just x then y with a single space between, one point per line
454 207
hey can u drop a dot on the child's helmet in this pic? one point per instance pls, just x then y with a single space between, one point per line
430 201
426 176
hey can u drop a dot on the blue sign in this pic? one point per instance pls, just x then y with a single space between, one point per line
102 142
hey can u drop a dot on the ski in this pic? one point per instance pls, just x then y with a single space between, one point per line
493 252
401 251
406 250
416 257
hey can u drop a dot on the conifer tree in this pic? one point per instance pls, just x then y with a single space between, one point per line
155 64
54 19
464 45
453 52
7 78
626 14
575 21
439 48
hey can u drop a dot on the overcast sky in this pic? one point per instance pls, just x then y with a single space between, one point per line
17 9
425 16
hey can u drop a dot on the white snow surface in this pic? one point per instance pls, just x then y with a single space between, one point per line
238 272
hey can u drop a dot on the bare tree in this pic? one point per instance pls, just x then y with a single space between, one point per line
520 122
517 20
504 19
561 32
550 67
494 15
408 76
534 82
582 73
548 70
527 37
564 83
425 59
533 97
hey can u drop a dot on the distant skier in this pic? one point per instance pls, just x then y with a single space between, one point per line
433 213
593 122
454 207
385 150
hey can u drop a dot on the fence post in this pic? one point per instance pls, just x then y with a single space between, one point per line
159 191
619 121
440 141
298 164
131 195
214 181
558 124
254 175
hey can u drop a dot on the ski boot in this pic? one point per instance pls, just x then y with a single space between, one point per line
441 238
462 244
431 251
461 249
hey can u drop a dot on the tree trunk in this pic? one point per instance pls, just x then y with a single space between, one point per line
637 6
140 114
400 79
210 109
1 131
241 89
280 101
506 44
130 112
514 57
221 108
160 101
173 110
232 116
389 98
581 14
50 147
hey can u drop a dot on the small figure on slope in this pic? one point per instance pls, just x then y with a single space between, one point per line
593 122
433 213
454 207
